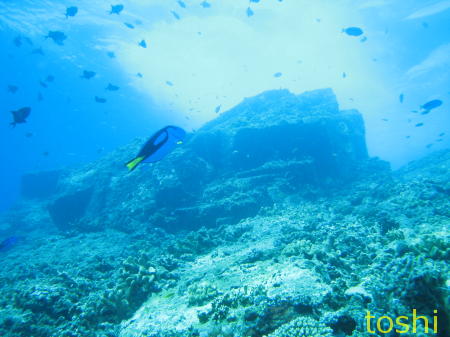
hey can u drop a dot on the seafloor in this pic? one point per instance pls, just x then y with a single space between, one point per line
271 220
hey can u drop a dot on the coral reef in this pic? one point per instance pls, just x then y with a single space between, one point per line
245 231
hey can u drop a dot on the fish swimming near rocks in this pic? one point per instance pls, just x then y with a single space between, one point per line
100 99
116 9
112 87
428 106
12 88
143 44
158 146
20 116
57 36
71 11
9 243
353 31
87 74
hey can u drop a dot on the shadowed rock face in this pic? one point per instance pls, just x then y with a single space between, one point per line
267 147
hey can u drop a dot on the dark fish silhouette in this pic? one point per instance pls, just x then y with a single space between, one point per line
100 99
158 146
139 75
205 4
9 243
401 97
249 12
129 25
363 39
17 41
217 109
353 31
419 124
278 74
429 145
111 54
112 87
442 134
181 3
143 44
169 83
407 137
428 106
175 15
71 11
20 116
37 51
255 1
116 9
57 37
87 74
344 75
12 88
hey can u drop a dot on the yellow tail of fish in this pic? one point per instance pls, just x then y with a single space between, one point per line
133 163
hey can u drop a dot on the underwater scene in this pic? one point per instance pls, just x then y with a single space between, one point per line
225 168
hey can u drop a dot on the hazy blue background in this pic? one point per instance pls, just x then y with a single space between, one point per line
214 56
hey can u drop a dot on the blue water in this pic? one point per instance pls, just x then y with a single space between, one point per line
211 56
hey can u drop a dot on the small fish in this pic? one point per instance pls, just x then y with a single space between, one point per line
88 74
169 83
205 4
442 134
401 97
129 25
17 41
414 111
418 124
20 116
112 87
353 31
143 44
57 37
116 9
428 106
175 15
139 75
50 78
344 75
100 99
429 145
37 51
385 119
249 12
363 39
43 84
255 1
29 134
71 11
111 54
181 3
407 137
217 109
278 74
12 88
9 243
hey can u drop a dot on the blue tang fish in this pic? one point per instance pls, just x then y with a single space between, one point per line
158 146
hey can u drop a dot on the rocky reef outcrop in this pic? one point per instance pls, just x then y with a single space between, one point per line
251 229
249 157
